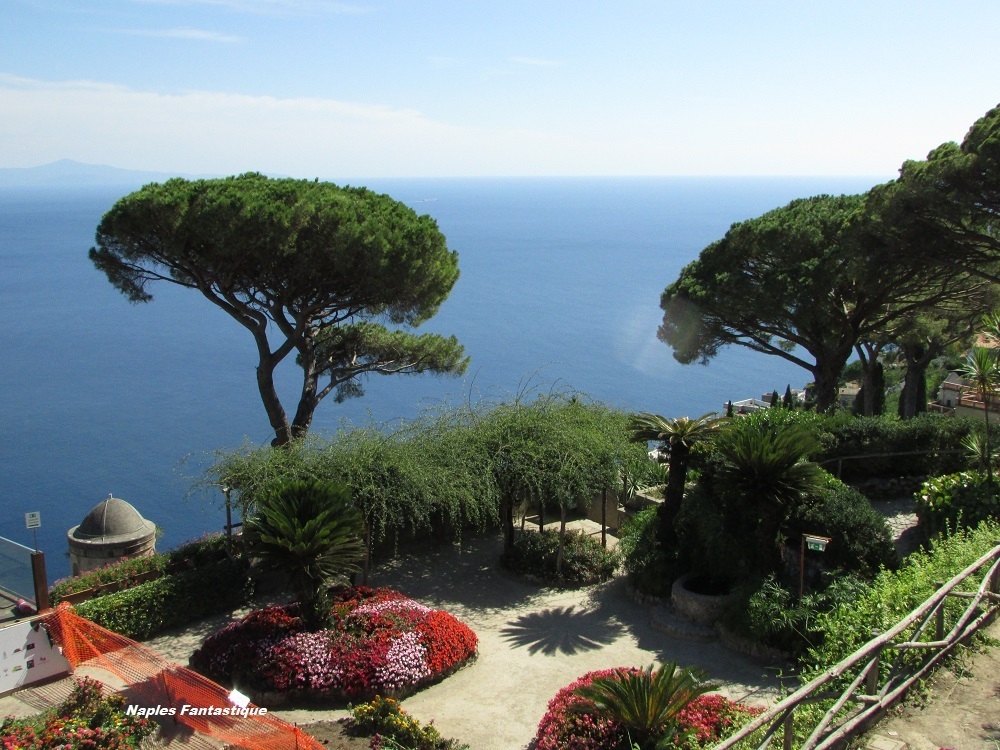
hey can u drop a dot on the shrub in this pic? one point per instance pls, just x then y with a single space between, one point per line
861 542
893 594
124 572
127 573
394 728
651 569
86 719
150 608
206 549
585 562
957 500
844 435
569 723
647 703
769 613
379 642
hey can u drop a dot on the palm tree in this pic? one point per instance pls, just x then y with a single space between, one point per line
678 435
765 467
310 532
645 702
982 370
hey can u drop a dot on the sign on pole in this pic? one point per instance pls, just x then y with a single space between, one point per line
33 520
816 543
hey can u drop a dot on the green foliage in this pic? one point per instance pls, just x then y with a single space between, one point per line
678 436
310 263
842 434
770 613
893 594
645 702
764 475
584 562
453 467
150 608
651 569
397 730
124 572
310 532
956 501
754 490
862 543
797 279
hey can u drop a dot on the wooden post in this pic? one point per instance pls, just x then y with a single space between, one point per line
802 566
789 739
939 614
872 678
995 583
604 518
41 581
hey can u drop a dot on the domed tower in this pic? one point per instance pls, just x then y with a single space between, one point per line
113 530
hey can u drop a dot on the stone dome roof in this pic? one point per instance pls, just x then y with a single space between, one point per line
112 520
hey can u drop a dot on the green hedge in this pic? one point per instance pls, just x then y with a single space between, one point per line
957 500
847 435
150 608
206 549
843 434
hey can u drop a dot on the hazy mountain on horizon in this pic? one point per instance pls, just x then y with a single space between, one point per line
69 173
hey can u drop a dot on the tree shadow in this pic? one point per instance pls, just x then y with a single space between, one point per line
560 630
612 602
464 581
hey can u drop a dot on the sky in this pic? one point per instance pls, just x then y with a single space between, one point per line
425 88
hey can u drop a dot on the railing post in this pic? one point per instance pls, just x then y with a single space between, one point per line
939 614
995 583
872 678
789 737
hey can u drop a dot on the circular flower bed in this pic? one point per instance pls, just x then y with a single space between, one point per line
379 641
567 723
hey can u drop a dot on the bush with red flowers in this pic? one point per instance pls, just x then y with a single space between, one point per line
85 720
378 642
567 722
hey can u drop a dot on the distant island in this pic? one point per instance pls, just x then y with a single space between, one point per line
67 172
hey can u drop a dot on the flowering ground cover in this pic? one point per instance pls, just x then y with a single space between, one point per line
568 723
378 642
86 719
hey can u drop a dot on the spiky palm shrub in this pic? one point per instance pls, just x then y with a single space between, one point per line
982 370
645 702
765 466
310 532
678 435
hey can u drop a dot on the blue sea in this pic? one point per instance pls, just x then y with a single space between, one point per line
560 286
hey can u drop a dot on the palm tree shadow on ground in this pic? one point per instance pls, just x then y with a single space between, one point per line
560 630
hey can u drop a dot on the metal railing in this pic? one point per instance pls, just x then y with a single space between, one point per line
879 675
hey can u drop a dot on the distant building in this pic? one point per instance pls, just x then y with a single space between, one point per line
748 405
113 530
958 398
847 394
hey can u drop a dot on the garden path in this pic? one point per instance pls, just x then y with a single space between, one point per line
532 642
961 710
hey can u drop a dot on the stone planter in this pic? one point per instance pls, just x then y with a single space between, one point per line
704 609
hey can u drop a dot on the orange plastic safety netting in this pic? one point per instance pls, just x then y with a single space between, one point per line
152 682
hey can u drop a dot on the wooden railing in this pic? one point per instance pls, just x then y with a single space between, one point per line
879 675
